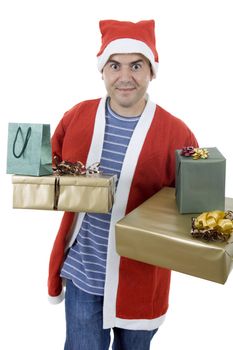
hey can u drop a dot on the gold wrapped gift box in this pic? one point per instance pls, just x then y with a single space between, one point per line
83 193
155 233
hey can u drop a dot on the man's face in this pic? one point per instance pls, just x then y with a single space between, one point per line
126 78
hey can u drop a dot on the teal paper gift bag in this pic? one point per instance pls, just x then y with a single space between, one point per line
29 149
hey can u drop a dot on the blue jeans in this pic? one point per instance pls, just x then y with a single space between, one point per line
84 325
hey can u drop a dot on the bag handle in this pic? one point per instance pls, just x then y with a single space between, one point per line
29 131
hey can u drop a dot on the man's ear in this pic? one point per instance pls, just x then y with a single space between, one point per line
151 70
152 75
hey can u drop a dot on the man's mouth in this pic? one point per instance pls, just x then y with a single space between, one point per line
125 89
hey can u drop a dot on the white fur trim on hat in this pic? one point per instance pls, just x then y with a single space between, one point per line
126 46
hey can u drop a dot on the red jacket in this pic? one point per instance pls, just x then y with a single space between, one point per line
136 294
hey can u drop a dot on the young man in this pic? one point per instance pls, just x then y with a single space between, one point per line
136 140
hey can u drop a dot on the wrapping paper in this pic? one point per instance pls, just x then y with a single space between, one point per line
156 233
200 183
84 193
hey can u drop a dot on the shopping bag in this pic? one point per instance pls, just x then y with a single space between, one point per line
29 149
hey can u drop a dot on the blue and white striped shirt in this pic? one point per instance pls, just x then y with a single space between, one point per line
85 263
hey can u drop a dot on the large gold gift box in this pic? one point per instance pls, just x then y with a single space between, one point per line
82 193
155 233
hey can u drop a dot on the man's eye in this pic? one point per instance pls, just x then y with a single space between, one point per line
135 67
114 66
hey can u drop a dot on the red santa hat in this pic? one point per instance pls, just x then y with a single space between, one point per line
128 37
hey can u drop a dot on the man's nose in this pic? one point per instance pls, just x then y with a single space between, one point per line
125 74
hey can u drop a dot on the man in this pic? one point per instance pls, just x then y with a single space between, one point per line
136 140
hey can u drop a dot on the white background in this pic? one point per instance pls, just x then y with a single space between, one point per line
48 64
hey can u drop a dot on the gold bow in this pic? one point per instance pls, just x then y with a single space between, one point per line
214 220
200 153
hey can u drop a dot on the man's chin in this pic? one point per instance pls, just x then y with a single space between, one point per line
125 102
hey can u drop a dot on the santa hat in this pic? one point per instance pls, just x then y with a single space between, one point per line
128 37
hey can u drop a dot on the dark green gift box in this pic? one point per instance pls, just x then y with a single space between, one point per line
200 183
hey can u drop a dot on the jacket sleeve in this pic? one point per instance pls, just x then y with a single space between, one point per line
58 251
57 255
186 138
59 135
57 141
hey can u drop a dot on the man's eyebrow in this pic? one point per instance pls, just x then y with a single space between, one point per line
137 61
131 63
113 61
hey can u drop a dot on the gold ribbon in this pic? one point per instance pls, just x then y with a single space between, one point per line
214 220
200 153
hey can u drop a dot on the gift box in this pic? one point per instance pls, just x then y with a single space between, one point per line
200 183
83 193
156 233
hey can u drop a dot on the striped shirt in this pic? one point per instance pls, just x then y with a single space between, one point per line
85 263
